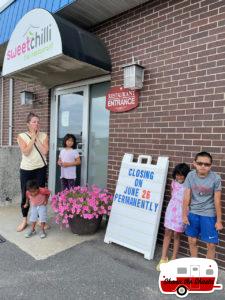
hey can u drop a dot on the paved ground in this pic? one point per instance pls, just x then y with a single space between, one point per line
58 239
88 270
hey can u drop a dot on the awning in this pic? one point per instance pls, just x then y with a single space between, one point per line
90 13
16 9
50 50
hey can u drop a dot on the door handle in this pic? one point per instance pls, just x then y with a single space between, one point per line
80 149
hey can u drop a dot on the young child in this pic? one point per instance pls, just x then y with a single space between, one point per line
38 198
173 218
68 160
202 198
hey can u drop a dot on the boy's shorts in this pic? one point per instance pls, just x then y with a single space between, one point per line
202 227
40 211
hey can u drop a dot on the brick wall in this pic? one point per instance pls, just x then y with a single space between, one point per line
41 107
181 44
12 154
5 112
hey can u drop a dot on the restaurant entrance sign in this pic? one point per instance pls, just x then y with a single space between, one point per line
120 99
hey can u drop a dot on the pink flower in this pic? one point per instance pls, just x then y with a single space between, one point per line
87 202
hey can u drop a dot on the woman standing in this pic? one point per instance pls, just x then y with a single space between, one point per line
34 148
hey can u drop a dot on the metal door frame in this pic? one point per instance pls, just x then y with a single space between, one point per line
55 93
54 132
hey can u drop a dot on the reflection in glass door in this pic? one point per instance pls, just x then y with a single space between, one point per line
70 111
72 119
98 135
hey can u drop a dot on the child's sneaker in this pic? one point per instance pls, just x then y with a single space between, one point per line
42 234
162 261
30 233
46 227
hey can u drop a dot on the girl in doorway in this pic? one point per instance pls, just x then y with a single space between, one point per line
173 217
68 160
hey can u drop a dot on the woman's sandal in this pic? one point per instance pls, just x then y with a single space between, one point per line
21 227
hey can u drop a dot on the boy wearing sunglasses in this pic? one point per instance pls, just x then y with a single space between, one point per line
202 205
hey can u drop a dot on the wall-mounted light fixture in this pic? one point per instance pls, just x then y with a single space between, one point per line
27 97
133 76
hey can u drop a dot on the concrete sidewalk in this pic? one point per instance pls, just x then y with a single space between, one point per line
66 266
57 239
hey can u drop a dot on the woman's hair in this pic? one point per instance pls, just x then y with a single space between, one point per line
70 136
30 116
181 169
32 185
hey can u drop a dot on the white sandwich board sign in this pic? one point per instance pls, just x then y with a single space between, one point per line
137 204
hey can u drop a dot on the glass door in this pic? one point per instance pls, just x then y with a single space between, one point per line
71 109
98 135
81 111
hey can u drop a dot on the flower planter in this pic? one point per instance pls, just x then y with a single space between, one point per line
81 203
83 226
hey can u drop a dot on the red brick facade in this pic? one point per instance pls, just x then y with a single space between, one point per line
181 44
41 106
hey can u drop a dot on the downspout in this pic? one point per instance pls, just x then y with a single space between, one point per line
2 95
10 110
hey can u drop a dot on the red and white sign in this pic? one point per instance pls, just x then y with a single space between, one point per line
119 99
189 275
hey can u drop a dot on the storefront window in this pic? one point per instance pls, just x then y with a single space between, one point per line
98 135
